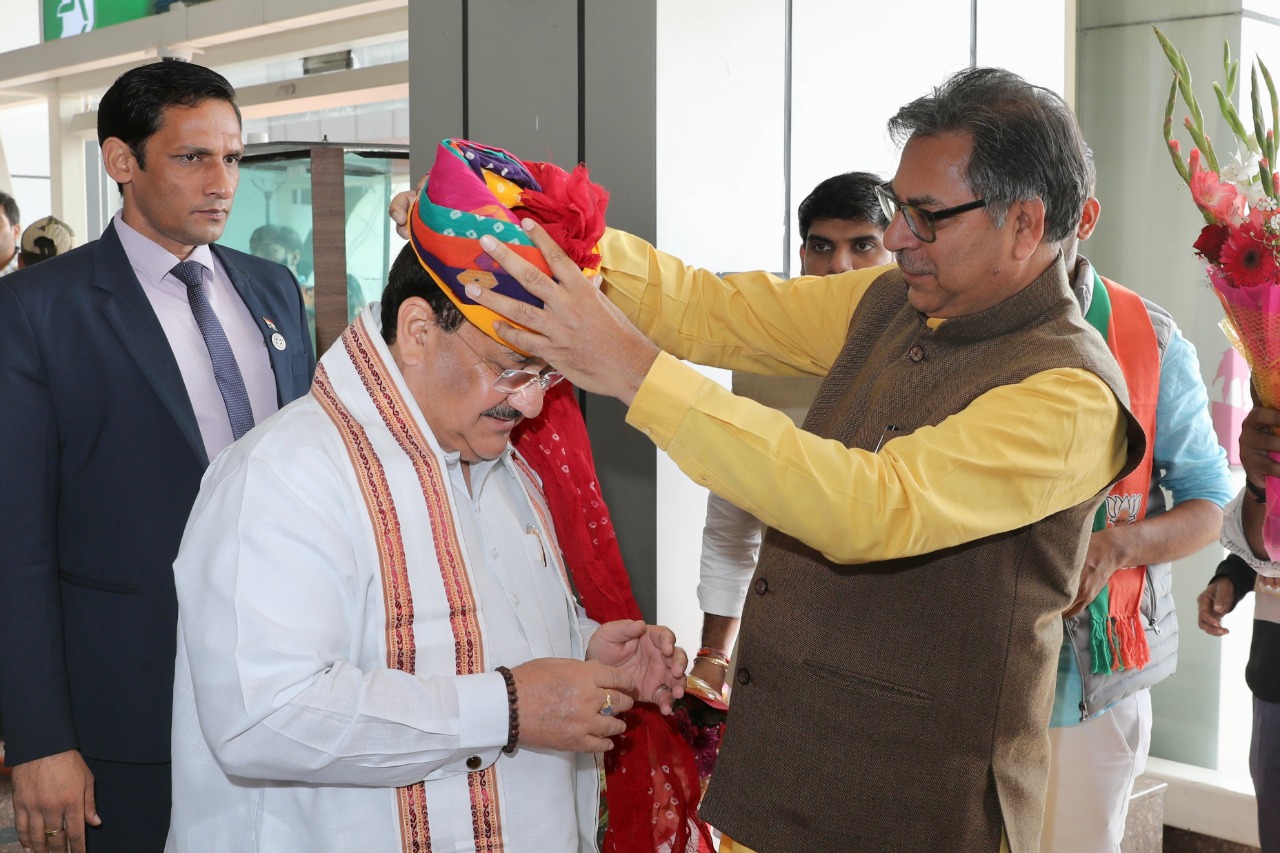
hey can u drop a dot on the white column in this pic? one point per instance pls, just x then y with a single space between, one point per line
67 168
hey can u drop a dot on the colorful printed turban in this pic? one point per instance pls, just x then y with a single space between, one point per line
473 190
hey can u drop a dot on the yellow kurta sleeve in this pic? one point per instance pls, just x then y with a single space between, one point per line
746 321
1015 455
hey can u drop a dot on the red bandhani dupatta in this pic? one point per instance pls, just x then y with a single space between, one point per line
651 781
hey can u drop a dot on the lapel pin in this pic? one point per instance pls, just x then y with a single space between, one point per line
271 326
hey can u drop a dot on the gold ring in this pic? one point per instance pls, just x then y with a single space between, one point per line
50 833
607 707
658 692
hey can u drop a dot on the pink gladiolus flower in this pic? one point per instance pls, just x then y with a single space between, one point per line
1210 194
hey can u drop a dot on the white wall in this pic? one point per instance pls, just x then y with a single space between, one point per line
720 204
24 141
851 71
21 24
1025 37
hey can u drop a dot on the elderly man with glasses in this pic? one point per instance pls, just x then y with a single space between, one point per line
379 648
928 523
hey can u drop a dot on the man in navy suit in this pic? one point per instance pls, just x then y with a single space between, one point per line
123 372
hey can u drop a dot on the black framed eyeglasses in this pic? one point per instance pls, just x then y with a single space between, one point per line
921 221
512 381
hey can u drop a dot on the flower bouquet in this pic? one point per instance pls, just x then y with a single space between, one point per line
1241 236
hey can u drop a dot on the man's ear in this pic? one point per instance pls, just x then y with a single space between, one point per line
1028 226
415 326
118 160
1089 218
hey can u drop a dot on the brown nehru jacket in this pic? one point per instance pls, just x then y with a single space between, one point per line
903 705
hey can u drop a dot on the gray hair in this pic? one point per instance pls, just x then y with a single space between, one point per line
1026 143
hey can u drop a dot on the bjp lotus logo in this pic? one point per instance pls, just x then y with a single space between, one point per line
1122 509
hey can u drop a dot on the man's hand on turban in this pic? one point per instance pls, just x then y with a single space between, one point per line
398 210
577 331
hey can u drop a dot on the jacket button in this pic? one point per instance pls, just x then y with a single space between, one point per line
916 353
474 762
762 586
744 675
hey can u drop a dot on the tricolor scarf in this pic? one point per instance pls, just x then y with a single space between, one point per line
411 509
1117 639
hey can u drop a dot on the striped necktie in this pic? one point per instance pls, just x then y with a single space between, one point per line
225 370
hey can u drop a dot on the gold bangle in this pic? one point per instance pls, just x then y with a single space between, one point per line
714 660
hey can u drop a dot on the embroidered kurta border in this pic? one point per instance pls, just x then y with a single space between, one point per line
463 617
415 831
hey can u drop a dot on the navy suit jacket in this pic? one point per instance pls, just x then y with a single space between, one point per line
100 462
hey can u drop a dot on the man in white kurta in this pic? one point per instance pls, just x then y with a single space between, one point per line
353 572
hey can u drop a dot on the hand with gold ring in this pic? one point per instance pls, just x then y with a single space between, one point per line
53 803
561 708
648 653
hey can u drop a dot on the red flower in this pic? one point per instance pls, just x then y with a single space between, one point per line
1209 243
571 209
1247 260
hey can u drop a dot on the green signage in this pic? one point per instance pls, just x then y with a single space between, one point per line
64 18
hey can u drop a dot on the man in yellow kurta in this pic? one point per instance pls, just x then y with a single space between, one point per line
928 522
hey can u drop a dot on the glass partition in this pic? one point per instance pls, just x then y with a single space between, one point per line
321 210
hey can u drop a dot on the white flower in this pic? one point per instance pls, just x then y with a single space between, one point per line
1253 194
1273 224
1241 172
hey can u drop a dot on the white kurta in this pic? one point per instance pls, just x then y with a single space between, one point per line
291 733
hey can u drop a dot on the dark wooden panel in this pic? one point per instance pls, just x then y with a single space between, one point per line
329 242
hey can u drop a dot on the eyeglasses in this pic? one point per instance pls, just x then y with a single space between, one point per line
921 221
514 381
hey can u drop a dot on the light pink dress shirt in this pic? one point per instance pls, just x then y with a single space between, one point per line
151 264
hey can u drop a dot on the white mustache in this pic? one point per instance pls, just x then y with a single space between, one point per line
907 265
